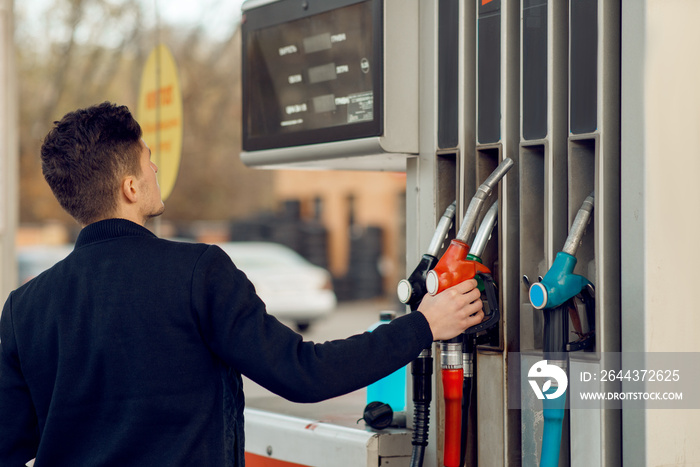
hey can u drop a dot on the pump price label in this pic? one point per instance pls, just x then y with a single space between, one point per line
607 380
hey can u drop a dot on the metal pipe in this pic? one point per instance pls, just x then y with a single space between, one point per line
485 229
578 228
442 229
480 196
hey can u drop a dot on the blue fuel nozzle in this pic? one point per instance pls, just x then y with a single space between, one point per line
559 284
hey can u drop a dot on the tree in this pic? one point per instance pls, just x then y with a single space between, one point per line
82 52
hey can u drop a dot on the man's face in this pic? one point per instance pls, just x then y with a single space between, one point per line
153 204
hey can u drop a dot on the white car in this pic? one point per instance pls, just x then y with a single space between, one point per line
292 288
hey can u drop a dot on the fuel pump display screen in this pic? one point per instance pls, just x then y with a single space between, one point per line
311 72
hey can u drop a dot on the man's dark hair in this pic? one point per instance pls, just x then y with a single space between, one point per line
86 154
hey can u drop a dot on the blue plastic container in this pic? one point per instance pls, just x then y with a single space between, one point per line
390 389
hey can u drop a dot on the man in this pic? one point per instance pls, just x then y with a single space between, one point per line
130 351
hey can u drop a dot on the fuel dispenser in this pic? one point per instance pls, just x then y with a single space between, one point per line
555 295
444 89
455 267
410 292
469 341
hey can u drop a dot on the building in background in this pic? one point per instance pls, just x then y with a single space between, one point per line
364 214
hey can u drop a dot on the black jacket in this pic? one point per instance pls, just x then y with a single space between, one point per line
130 351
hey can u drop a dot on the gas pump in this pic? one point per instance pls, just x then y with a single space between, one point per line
555 295
411 291
470 336
455 267
439 89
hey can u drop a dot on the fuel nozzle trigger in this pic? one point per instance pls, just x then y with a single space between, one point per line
491 319
585 341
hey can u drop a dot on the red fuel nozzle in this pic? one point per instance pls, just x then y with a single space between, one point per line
452 381
453 268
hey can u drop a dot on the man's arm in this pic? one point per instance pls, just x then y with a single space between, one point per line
237 328
19 439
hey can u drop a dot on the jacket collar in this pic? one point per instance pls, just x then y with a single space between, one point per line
110 228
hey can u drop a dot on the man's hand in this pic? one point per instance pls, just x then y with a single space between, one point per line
453 310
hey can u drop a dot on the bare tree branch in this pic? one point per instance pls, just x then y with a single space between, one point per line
64 56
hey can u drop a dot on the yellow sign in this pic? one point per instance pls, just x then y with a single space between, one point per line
160 115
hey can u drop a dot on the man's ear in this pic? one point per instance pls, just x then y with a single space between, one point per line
128 188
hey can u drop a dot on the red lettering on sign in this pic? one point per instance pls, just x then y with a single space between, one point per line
164 94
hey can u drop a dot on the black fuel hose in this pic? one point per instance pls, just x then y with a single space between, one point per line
469 346
422 372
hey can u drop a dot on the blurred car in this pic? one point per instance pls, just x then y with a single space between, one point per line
35 259
292 288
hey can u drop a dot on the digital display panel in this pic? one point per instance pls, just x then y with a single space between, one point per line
312 72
